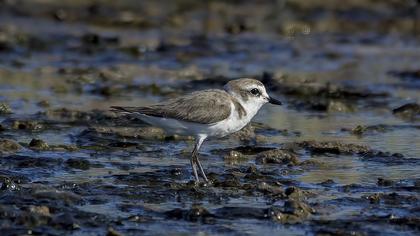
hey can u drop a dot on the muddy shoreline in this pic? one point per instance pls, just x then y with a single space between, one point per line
342 157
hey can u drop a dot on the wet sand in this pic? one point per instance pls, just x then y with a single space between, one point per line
341 157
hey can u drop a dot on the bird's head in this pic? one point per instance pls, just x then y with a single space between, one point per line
250 92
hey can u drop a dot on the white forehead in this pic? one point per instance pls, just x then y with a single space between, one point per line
254 85
245 84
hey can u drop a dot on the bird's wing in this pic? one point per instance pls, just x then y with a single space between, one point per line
205 107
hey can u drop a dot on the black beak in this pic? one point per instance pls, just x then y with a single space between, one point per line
274 101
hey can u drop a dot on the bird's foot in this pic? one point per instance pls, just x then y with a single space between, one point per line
198 183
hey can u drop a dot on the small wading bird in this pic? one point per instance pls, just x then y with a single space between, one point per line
207 113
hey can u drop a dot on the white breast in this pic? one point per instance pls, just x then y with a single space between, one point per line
219 129
233 123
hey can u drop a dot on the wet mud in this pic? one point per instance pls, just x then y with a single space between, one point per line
342 157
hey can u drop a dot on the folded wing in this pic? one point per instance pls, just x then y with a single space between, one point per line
205 107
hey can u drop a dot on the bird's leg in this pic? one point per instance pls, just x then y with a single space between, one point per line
194 168
201 170
194 159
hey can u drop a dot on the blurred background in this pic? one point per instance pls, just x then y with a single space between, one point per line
348 71
352 62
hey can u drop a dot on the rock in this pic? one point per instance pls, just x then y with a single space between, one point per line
374 198
134 51
388 158
417 183
328 183
56 195
147 133
196 213
297 208
252 169
123 144
75 116
410 75
113 232
234 157
65 221
245 134
40 210
175 172
391 198
7 145
31 220
229 181
362 130
251 149
238 26
304 93
43 103
295 193
409 111
358 130
94 39
8 184
413 222
61 147
5 45
107 90
5 108
311 163
78 163
337 106
277 156
327 90
26 125
334 147
252 173
385 182
38 144
293 212
241 212
139 218
270 189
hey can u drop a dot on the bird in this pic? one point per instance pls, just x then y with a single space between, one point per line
206 113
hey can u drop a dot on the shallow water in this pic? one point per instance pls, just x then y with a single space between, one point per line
105 174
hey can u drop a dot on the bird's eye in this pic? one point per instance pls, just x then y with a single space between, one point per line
255 92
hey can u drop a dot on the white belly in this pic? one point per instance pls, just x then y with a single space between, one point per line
232 124
219 129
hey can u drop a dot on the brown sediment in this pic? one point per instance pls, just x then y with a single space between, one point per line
340 158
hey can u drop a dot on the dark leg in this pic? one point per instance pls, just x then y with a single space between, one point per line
194 159
203 174
194 168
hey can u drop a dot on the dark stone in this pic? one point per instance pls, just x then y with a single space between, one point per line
65 221
38 144
81 164
385 182
277 156
241 212
196 213
408 111
30 125
8 184
5 109
334 147
270 189
7 145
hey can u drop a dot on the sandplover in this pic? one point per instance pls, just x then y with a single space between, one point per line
207 113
